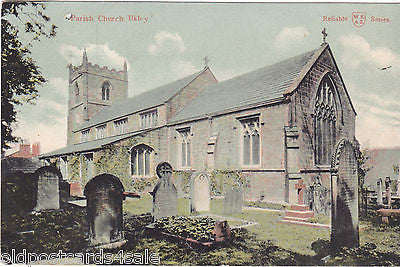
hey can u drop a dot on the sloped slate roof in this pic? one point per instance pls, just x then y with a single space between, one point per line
258 86
88 146
140 102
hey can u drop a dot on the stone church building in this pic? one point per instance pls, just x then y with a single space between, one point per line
275 127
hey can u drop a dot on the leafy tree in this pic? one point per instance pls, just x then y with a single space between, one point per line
20 76
362 157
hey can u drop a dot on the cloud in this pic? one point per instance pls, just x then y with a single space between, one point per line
376 131
100 54
290 37
358 51
46 121
166 42
51 136
181 68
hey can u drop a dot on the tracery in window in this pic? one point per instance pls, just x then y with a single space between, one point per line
140 160
325 114
251 141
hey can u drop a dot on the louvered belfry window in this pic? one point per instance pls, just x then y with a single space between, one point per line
324 122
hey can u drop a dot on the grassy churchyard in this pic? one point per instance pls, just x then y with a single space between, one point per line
266 243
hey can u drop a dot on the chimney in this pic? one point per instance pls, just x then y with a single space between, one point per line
36 149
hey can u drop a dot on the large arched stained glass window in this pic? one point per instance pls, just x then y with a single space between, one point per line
325 114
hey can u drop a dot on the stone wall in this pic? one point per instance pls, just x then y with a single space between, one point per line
268 178
301 115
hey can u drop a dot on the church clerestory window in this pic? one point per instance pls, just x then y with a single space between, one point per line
250 141
185 147
140 160
324 122
105 91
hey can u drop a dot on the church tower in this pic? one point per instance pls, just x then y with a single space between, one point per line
92 88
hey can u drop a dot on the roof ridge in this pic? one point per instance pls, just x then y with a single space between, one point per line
87 124
195 75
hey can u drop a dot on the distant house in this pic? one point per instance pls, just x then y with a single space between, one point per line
275 126
26 151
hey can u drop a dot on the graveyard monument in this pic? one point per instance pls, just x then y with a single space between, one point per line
49 180
233 200
200 192
104 194
388 191
165 198
379 199
344 183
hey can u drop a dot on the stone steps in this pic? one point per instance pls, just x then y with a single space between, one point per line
299 207
299 214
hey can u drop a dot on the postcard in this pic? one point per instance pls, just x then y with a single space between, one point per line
200 133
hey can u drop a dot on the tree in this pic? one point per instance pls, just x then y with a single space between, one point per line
362 157
20 76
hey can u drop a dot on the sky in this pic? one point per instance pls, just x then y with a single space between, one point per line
172 39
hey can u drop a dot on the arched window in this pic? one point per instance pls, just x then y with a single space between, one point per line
325 114
105 90
251 141
140 160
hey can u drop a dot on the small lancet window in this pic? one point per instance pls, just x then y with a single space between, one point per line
105 91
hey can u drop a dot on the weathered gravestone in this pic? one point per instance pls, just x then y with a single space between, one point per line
388 191
318 197
379 198
49 180
165 199
104 194
233 201
344 182
200 192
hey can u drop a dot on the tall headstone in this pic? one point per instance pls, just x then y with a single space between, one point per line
165 198
200 192
379 199
388 191
48 188
104 194
233 201
344 182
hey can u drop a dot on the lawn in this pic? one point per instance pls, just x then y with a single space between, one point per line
295 238
267 243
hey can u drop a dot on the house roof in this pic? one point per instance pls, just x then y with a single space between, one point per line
259 86
146 100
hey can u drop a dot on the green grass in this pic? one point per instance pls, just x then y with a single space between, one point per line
268 243
321 219
295 238
145 203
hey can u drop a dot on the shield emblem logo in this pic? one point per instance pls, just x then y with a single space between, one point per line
359 18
